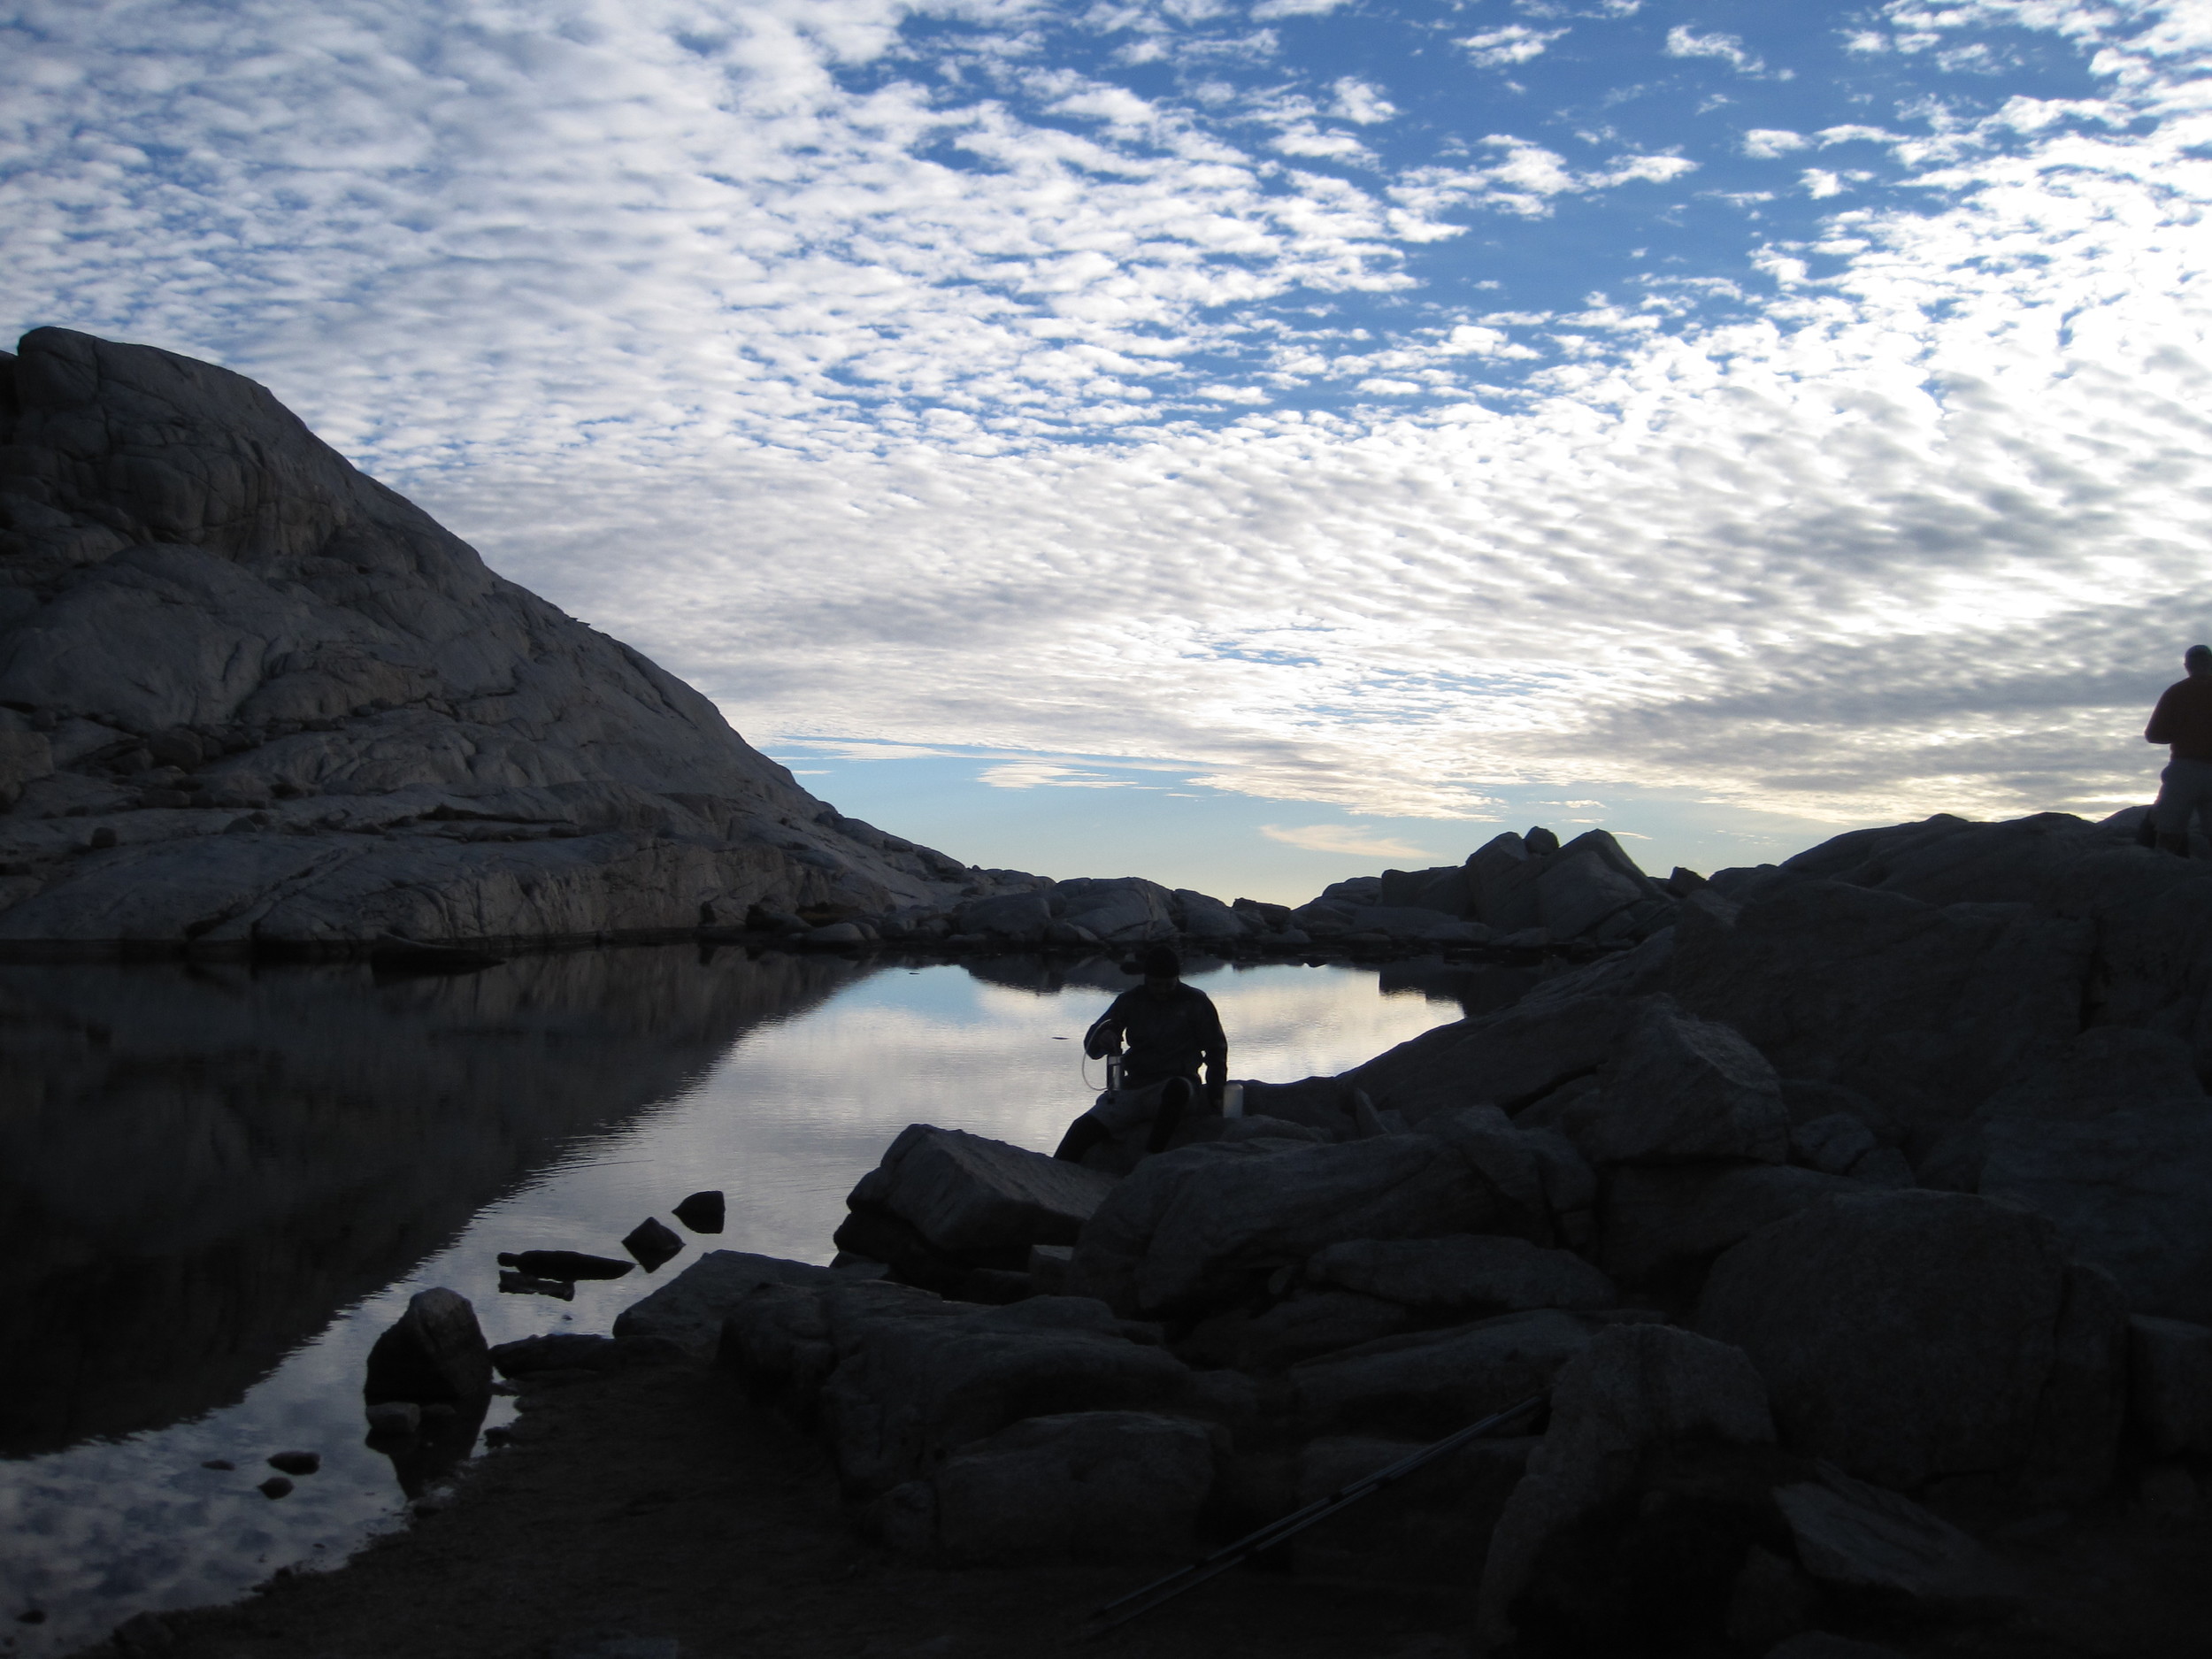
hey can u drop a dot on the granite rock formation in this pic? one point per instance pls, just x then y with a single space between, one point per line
251 698
1852 1222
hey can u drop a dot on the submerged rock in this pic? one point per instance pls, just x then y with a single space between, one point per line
654 1244
702 1212
565 1264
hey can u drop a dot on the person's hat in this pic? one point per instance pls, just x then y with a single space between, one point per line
2197 653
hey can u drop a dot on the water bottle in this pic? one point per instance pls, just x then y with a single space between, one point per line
1232 1100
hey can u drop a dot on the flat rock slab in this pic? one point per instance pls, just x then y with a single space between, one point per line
690 1308
1858 1537
967 1195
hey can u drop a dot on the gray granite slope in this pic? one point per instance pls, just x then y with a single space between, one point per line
251 697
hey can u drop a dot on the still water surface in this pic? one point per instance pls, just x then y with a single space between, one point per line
219 1184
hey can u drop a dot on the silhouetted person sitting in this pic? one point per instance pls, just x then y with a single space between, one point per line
1172 1029
2183 719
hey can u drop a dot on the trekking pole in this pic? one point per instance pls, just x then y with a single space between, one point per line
1138 1602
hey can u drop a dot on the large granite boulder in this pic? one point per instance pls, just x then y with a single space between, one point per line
434 1351
967 1195
2106 1069
1910 1335
1201 918
1511 1059
2151 912
2129 1193
256 700
1628 1391
916 1379
1120 910
1678 1091
1923 1009
1190 1229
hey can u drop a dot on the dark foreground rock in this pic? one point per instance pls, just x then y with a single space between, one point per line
1935 1227
435 1351
1911 1335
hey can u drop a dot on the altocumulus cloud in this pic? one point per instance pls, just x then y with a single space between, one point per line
990 375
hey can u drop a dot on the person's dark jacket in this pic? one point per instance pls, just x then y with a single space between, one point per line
1166 1034
2183 719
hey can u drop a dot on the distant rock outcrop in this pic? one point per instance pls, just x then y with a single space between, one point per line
1525 890
250 697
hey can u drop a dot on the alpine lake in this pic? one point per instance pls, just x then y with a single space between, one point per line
220 1182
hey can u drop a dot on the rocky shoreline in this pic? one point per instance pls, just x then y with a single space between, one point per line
1852 1229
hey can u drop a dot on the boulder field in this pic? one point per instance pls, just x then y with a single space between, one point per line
1853 1225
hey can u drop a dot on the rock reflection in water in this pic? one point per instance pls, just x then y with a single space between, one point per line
434 1450
198 1164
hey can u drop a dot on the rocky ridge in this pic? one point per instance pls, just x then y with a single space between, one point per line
1855 1227
252 699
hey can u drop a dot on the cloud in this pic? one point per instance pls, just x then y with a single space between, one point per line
895 372
1038 774
1684 42
1523 177
1515 43
1347 838
1358 101
1763 142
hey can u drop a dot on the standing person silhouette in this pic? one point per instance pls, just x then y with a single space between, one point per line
1171 1030
2183 720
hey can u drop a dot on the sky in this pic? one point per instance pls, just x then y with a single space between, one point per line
1243 442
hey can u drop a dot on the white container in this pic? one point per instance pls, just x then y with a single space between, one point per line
1232 1100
